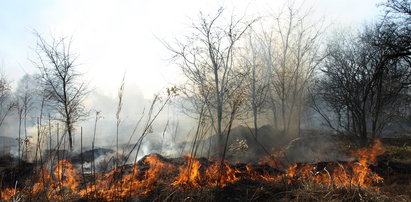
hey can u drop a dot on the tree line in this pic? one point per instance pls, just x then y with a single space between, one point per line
285 67
56 92
280 66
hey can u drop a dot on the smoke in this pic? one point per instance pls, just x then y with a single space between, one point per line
168 129
314 149
170 135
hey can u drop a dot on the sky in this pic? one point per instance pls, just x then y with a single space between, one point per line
113 37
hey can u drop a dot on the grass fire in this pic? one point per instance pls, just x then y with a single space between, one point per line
155 177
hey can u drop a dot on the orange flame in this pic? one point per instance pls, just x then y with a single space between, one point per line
217 174
63 181
117 184
190 175
140 179
221 174
7 194
254 175
273 160
342 175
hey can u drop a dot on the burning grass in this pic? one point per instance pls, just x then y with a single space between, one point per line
189 178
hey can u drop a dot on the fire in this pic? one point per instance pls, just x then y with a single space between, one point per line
217 174
273 160
190 175
221 174
370 154
117 184
291 173
341 175
63 181
7 193
254 175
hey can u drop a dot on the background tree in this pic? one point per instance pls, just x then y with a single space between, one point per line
256 84
6 104
63 86
394 29
366 75
208 59
362 84
25 102
291 53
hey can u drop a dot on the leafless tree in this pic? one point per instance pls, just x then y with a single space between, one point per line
393 32
6 104
25 102
256 83
208 59
363 83
366 75
63 86
291 53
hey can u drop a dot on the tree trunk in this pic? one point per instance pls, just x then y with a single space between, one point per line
283 116
19 140
274 110
255 122
363 138
69 131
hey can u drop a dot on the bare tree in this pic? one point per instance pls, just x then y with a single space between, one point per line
362 83
25 102
6 104
291 53
208 59
393 32
256 82
63 87
395 28
366 75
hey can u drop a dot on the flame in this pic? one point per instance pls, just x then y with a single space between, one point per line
7 194
190 175
221 174
217 174
273 160
341 175
366 154
62 181
254 175
116 184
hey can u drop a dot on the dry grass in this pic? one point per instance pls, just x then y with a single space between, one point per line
316 192
252 190
396 187
399 153
246 190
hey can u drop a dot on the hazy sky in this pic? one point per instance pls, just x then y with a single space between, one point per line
112 37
